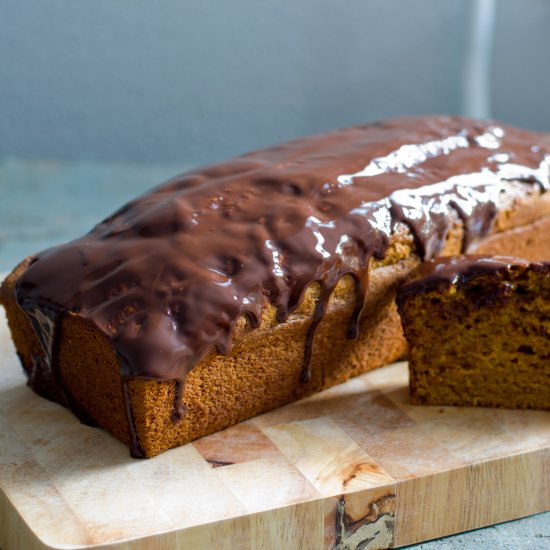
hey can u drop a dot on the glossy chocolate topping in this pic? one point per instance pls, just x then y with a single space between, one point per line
168 275
440 274
446 271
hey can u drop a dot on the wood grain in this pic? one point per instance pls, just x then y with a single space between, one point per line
356 466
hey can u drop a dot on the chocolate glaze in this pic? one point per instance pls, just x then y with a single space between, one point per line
444 272
447 271
167 276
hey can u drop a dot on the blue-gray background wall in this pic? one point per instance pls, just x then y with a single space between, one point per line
192 81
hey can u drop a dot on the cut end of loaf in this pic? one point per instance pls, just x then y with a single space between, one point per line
485 341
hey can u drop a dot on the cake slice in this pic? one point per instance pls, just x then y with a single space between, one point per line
478 329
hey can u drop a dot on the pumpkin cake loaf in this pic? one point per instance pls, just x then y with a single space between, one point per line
236 288
478 329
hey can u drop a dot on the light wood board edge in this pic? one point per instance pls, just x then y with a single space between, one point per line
14 531
403 513
475 496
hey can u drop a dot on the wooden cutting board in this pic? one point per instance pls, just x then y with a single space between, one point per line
356 466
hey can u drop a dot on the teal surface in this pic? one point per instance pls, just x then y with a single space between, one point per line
44 203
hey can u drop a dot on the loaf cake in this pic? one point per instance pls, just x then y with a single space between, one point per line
478 329
235 288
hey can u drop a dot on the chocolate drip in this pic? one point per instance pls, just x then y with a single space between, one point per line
135 449
167 277
361 286
444 272
318 314
179 406
45 378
